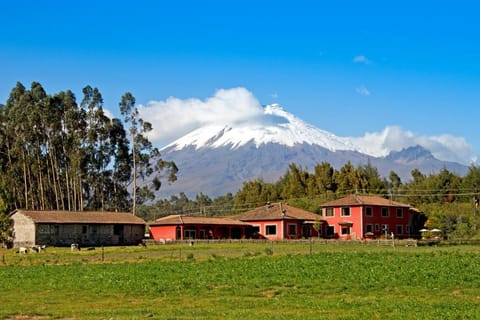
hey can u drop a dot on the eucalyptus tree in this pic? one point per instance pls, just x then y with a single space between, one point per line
71 142
97 155
121 167
146 160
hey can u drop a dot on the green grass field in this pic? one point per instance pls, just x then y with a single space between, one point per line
243 281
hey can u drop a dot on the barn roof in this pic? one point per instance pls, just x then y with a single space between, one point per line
180 219
277 211
357 200
92 217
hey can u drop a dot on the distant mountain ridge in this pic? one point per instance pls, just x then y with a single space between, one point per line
217 159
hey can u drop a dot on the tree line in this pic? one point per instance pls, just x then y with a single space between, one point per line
57 154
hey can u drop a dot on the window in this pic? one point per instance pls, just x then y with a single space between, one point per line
256 229
345 230
346 212
377 227
292 229
271 230
385 212
369 211
329 212
399 213
84 229
399 229
190 234
369 227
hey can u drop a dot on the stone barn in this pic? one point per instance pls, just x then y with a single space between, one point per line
62 228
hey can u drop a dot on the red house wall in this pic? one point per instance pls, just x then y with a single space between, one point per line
163 232
359 221
392 222
283 229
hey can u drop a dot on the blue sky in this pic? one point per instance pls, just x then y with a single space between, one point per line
348 67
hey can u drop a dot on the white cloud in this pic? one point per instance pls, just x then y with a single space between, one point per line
362 90
444 147
175 117
361 59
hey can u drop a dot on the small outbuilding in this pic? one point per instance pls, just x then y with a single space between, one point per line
62 228
183 227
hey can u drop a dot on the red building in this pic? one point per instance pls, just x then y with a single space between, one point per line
178 227
360 217
277 221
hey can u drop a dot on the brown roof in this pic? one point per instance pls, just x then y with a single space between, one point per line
179 219
277 211
97 217
357 200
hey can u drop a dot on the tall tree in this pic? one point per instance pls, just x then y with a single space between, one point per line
143 153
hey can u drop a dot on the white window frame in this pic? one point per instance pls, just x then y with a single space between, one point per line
345 227
399 212
267 226
387 210
327 209
345 209
367 214
367 227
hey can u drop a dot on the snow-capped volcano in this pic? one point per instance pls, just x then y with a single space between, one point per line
216 159
274 126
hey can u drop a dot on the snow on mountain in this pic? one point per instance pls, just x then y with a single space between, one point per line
217 158
276 126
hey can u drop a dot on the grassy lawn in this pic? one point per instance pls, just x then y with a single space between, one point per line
242 281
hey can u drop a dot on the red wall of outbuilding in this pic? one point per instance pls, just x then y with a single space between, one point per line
163 232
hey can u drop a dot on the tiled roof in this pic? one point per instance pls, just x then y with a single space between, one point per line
179 219
357 200
277 211
97 217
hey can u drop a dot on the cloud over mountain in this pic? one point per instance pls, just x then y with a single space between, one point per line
174 118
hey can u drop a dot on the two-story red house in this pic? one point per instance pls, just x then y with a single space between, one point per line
276 221
361 217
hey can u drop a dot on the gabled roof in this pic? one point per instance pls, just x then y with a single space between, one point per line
85 217
357 200
183 220
277 211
